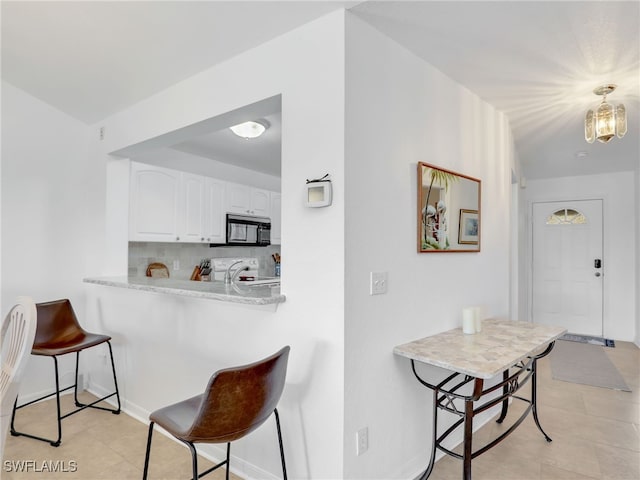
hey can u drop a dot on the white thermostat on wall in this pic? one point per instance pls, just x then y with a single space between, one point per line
318 192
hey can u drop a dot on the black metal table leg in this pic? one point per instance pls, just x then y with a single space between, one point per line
432 457
534 389
468 439
534 398
505 403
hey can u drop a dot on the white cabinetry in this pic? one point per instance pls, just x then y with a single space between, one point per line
276 215
246 200
170 206
260 202
215 221
153 203
192 208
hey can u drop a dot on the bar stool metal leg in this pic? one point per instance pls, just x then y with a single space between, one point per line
284 467
82 406
115 382
148 454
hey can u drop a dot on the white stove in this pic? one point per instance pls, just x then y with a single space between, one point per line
220 266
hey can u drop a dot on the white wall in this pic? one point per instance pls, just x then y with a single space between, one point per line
620 245
400 111
50 191
305 66
637 217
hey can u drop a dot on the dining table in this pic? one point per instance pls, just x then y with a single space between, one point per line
485 369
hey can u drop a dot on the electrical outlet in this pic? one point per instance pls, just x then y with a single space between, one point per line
176 264
362 440
377 283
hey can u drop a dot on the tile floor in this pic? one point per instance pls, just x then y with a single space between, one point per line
101 445
595 431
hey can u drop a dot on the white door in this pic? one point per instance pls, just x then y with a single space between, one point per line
567 281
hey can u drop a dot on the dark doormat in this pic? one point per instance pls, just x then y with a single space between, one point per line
603 342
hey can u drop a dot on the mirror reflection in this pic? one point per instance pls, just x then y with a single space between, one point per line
448 210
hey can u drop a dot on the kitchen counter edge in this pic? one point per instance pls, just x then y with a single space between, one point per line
256 295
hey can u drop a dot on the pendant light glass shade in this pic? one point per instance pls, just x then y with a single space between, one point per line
607 121
589 127
621 121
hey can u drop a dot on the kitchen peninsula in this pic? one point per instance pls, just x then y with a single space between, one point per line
246 294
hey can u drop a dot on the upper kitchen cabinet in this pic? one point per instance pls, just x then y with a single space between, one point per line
171 206
153 203
215 215
191 208
245 200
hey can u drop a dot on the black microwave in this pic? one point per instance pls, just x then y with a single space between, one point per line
248 230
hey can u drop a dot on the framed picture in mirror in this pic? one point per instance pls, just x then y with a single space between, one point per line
448 210
468 227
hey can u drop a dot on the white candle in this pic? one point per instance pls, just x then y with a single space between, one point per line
478 318
469 320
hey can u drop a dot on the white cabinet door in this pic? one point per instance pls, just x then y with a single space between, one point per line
191 211
260 202
276 215
153 205
246 200
215 222
238 198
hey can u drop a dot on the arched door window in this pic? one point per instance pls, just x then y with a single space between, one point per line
566 216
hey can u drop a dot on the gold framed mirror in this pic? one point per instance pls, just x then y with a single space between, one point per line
448 211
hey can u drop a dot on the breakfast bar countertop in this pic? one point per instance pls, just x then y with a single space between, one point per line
500 344
249 295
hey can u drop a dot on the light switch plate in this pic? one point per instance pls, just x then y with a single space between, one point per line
378 283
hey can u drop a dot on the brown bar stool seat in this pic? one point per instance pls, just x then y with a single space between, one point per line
59 333
237 401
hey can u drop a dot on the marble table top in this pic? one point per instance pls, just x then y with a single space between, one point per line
249 295
500 344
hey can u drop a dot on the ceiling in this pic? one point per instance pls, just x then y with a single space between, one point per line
538 62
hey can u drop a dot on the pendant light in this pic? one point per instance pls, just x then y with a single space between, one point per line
606 121
251 129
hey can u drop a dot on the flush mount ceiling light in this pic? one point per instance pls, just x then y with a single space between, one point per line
251 129
607 120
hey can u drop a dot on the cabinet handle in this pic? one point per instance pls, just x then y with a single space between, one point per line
202 239
177 238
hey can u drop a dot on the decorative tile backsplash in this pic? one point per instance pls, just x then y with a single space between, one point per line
188 255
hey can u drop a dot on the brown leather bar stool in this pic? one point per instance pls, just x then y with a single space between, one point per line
58 333
237 401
